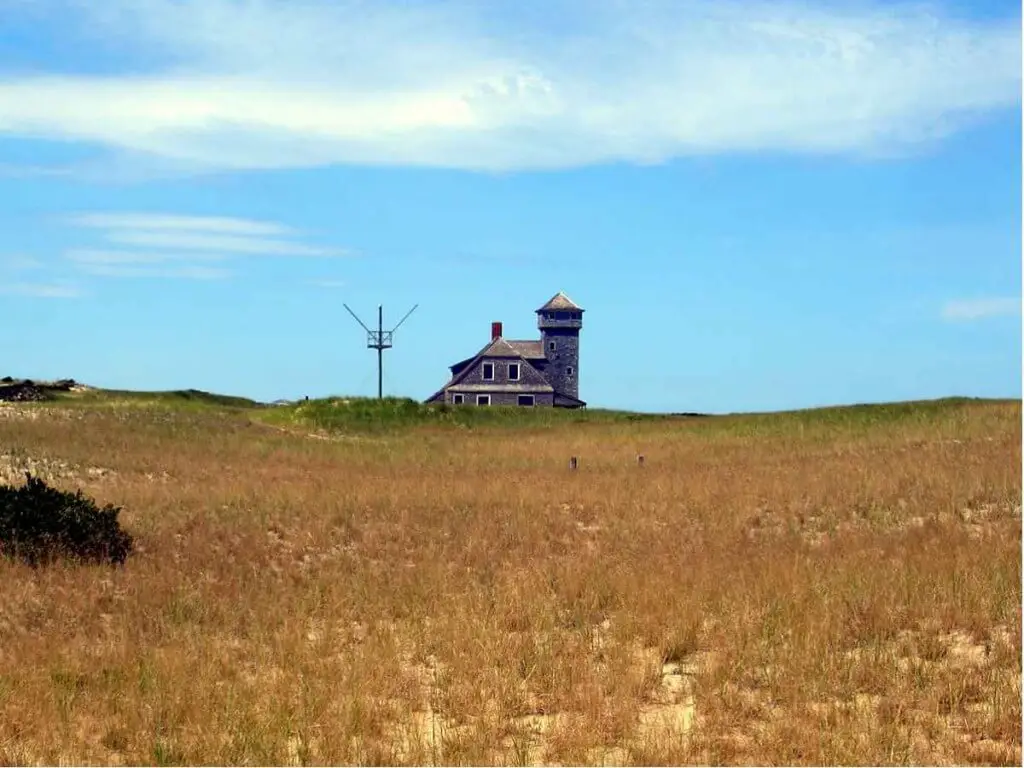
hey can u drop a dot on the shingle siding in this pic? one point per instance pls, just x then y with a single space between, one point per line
563 358
503 398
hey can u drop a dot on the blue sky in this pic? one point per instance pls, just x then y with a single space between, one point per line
761 205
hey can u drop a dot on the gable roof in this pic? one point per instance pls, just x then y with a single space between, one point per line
495 348
560 301
498 348
528 350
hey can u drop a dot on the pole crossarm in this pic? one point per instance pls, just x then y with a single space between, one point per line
404 318
380 340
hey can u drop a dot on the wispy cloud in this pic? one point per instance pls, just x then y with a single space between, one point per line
240 85
166 222
162 245
186 272
977 309
219 243
94 257
41 290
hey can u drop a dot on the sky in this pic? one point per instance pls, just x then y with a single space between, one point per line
760 205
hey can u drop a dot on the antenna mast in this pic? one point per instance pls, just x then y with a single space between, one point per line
380 340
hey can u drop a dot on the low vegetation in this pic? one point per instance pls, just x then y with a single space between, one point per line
40 524
386 415
324 583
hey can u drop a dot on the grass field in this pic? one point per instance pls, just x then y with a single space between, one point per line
346 582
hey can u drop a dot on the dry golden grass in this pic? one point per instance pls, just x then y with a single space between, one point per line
764 590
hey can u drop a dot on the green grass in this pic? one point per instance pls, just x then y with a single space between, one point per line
175 398
367 414
856 418
361 414
354 414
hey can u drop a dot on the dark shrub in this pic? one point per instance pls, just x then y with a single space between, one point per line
39 524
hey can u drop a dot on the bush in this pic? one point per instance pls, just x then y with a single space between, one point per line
39 524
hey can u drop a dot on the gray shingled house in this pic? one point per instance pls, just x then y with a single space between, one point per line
524 373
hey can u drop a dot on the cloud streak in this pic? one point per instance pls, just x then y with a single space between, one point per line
173 246
978 309
172 223
94 256
192 241
462 85
41 290
185 272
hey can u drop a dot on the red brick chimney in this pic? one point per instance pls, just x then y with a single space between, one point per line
495 331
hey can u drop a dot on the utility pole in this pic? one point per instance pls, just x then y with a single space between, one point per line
380 352
380 340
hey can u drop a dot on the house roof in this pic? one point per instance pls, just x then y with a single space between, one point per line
530 349
563 399
498 348
560 301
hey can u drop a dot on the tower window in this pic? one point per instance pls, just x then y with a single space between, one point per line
488 371
483 399
551 346
513 371
568 371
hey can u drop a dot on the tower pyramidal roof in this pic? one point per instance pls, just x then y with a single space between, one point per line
560 301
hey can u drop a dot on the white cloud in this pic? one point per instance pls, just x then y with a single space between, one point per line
173 223
218 243
87 256
143 264
478 86
185 272
176 246
976 309
41 290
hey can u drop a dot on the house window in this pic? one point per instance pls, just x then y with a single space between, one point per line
568 371
513 371
483 399
551 346
526 400
458 399
488 371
